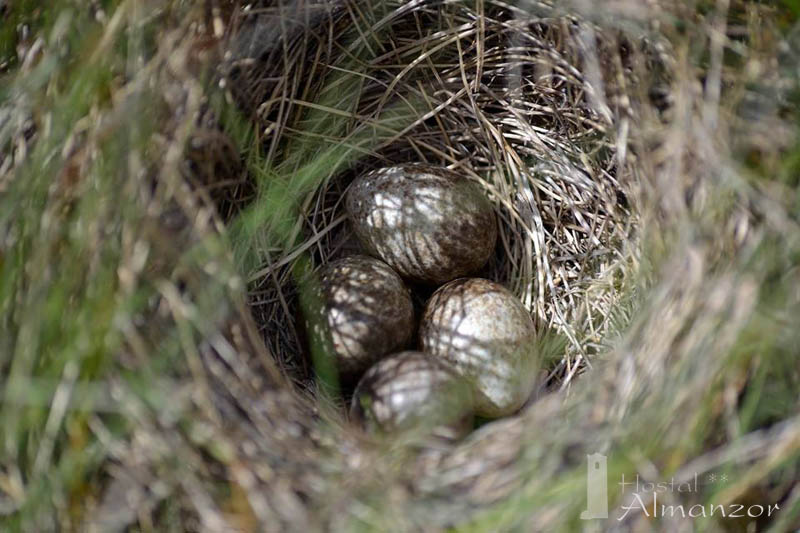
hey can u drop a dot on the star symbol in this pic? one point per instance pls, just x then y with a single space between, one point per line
724 478
712 478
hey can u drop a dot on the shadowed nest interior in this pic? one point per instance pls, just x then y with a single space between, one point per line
527 106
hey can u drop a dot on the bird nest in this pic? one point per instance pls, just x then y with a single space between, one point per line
528 106
172 177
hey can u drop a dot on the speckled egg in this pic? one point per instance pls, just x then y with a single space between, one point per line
365 313
411 388
430 224
480 330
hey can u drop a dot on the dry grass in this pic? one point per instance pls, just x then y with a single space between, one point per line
643 161
503 97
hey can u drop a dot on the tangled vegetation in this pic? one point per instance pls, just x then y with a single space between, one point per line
171 172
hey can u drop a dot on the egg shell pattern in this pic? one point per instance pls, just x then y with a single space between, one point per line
412 387
368 312
482 331
430 224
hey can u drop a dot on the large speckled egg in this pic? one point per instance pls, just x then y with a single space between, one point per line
413 389
430 224
480 330
365 313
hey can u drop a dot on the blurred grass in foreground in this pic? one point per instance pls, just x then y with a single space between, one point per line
90 354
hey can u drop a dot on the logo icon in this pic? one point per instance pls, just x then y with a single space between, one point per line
596 487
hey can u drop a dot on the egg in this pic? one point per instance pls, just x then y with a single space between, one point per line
411 389
430 224
481 331
364 312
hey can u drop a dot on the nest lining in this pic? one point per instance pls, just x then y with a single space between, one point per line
525 106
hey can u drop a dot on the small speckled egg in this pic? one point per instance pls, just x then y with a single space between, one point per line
430 224
411 388
480 330
367 310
